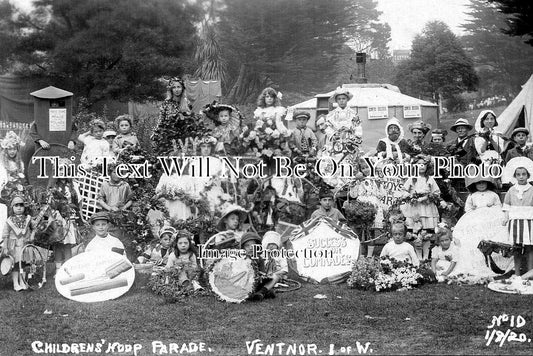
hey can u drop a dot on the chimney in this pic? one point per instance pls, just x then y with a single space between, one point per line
360 60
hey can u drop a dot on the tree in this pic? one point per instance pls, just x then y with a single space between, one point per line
208 54
106 49
503 62
293 44
520 19
438 65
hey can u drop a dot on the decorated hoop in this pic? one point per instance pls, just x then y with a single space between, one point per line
32 267
6 264
56 150
233 280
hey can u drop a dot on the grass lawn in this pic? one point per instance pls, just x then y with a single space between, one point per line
435 319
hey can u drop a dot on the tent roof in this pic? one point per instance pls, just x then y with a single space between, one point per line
51 93
524 100
365 95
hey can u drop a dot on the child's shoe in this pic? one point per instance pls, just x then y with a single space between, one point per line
257 297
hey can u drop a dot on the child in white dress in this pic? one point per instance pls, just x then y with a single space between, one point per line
444 255
96 147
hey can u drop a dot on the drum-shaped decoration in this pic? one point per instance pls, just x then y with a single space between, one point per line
233 280
65 165
33 266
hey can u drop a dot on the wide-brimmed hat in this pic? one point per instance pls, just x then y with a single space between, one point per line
470 183
249 236
102 215
340 91
512 165
518 130
419 125
232 209
461 122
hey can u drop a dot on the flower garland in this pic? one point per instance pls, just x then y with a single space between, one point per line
386 274
167 285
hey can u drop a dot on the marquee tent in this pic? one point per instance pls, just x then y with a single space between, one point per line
375 104
518 113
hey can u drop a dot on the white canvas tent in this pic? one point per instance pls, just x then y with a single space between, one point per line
518 113
367 98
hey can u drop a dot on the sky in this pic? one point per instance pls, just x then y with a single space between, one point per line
406 17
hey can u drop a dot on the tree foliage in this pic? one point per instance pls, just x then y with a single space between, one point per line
438 65
504 63
519 19
105 49
295 45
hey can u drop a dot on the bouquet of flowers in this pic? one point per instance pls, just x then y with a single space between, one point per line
386 274
264 139
359 212
364 273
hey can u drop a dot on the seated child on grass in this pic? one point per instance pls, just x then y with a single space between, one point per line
160 253
443 256
183 260
276 268
265 287
230 224
398 248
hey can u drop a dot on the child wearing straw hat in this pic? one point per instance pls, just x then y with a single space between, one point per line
342 117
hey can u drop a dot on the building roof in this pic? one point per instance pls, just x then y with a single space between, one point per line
51 93
365 95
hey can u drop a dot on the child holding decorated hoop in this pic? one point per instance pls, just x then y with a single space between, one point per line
421 212
518 208
16 234
230 224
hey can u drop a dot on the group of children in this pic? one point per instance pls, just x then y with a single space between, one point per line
176 249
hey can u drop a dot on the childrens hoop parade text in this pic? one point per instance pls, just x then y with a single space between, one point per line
245 167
